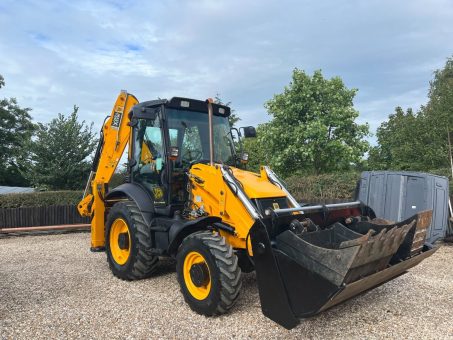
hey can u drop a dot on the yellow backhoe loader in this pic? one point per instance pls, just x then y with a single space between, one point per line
188 196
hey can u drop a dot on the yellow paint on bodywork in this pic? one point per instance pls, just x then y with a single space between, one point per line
210 192
117 134
84 206
255 186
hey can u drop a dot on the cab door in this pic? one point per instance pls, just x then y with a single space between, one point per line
149 158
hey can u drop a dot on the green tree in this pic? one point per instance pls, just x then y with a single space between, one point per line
118 177
418 141
16 129
439 113
313 128
399 142
59 155
233 118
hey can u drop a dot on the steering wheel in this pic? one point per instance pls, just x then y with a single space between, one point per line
190 157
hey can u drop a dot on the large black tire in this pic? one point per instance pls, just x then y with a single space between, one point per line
141 263
224 272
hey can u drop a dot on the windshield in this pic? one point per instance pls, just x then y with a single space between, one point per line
189 131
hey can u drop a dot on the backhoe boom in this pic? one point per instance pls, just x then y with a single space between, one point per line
115 135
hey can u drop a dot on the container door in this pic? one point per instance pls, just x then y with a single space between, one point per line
440 211
415 196
393 197
376 194
362 194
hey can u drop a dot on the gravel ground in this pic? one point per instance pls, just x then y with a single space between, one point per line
53 287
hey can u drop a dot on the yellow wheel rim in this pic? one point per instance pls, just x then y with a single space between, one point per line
200 292
120 255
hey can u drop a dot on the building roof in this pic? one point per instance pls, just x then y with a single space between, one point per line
14 190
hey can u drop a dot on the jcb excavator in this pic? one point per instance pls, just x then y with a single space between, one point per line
188 196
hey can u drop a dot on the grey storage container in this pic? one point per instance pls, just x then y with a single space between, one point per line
397 195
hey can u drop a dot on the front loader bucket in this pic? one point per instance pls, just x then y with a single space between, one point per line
414 240
341 255
301 275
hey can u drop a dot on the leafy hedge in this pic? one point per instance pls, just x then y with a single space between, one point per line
326 186
303 187
341 185
336 185
40 199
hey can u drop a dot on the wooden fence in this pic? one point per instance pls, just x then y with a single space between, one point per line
40 216
65 214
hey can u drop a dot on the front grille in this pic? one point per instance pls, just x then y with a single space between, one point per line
271 203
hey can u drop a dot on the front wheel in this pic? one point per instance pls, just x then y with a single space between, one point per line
208 273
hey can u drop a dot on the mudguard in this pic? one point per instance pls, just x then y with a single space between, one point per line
182 228
136 193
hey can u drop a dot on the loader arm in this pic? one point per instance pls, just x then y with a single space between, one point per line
115 135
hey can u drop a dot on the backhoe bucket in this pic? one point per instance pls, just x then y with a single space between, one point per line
300 275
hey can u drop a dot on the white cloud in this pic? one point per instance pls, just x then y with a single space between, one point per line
56 54
100 62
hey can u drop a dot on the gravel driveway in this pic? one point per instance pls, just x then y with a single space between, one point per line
52 286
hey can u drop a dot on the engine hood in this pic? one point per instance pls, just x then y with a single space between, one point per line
255 186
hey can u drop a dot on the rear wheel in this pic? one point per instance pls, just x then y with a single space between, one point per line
128 243
208 273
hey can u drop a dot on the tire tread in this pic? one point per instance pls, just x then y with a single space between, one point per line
145 263
227 262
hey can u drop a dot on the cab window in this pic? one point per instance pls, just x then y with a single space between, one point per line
149 156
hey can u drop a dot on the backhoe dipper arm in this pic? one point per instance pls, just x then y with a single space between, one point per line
115 135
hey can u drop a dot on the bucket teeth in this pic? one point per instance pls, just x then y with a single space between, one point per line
384 244
414 239
340 255
375 254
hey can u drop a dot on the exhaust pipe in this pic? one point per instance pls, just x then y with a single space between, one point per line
209 101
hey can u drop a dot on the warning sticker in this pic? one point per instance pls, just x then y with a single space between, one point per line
116 120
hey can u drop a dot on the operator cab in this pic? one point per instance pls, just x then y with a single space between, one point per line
168 137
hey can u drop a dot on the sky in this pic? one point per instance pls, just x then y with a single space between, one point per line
54 54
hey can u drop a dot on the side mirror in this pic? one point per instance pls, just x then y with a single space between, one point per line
244 158
235 136
174 153
249 131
